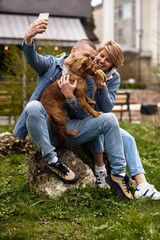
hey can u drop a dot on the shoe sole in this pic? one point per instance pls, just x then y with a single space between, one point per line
118 192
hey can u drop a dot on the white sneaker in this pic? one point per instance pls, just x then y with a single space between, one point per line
147 191
100 179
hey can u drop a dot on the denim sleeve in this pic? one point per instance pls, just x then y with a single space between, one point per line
38 62
74 109
105 98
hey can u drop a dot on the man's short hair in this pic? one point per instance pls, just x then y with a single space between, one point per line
80 44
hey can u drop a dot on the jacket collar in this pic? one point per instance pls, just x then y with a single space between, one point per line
109 75
60 60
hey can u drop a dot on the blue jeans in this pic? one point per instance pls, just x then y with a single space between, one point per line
89 128
132 157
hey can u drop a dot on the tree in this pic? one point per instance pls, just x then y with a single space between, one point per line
17 78
12 72
155 74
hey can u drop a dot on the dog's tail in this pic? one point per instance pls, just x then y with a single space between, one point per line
59 129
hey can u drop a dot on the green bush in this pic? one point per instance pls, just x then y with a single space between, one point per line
155 74
137 85
17 79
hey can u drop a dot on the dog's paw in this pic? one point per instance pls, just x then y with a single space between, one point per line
97 114
91 102
75 132
100 74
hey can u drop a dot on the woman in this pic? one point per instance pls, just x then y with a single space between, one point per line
108 59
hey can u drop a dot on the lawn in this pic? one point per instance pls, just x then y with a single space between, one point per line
85 213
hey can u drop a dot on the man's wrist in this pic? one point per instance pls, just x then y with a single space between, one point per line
69 99
28 39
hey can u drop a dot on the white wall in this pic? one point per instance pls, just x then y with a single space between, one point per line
104 20
150 31
108 20
150 39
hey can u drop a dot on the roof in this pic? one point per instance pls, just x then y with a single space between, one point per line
90 34
70 8
64 31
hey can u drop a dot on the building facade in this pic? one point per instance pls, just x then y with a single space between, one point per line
135 25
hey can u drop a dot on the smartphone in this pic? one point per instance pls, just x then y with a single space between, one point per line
43 16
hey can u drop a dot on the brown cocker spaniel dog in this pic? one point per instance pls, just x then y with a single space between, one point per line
53 100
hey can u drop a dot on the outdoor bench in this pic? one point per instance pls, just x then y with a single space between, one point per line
5 104
122 104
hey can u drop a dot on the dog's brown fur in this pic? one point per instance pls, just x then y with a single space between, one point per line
53 100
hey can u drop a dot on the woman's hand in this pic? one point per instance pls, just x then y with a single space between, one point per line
66 88
99 83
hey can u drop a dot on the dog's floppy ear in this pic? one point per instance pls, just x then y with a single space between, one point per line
76 64
70 63
82 64
85 62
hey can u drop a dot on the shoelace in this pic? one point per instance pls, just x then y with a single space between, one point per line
132 183
101 180
63 169
126 182
100 177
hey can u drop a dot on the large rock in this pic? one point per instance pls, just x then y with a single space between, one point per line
10 144
40 178
44 182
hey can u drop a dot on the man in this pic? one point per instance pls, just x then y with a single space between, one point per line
35 121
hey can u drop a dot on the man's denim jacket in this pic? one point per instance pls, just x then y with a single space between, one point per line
49 69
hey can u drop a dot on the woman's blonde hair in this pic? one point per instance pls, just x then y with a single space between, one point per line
115 53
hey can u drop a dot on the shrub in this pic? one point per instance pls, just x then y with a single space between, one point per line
137 85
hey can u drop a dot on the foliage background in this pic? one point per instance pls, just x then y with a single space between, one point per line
17 78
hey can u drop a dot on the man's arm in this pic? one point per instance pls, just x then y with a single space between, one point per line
37 27
38 62
67 90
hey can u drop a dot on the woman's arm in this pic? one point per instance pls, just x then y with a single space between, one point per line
105 97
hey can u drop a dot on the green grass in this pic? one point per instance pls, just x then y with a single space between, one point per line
6 128
85 213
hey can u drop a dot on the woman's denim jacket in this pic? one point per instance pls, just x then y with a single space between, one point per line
49 69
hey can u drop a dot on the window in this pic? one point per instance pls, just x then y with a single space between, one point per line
127 10
120 35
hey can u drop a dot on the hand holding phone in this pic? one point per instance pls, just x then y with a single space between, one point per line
36 27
